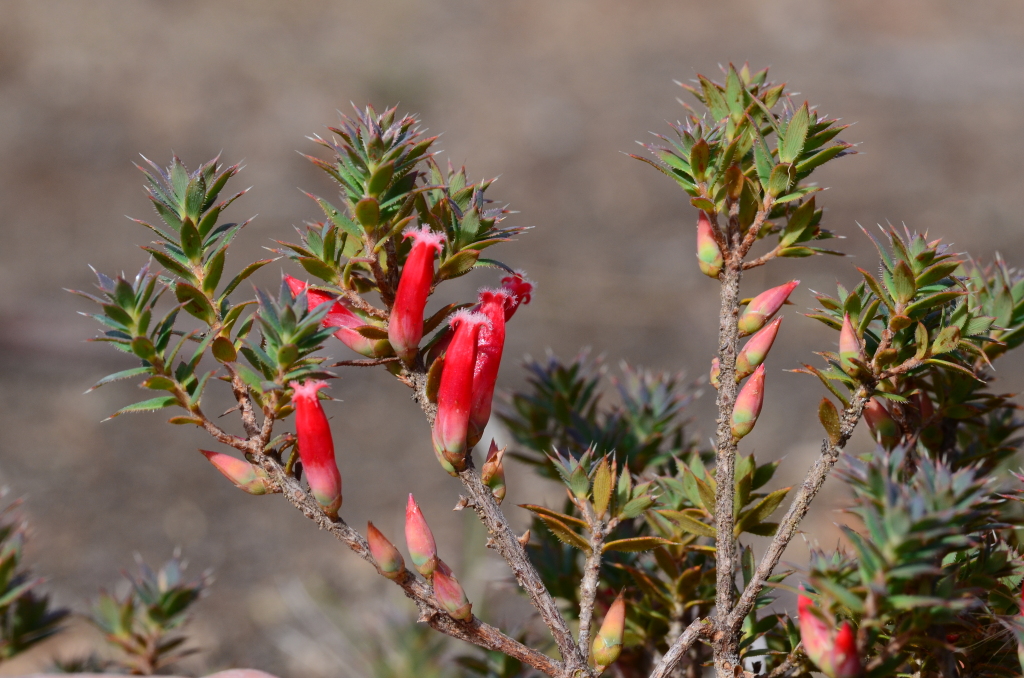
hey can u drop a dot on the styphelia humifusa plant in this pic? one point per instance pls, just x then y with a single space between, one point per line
678 542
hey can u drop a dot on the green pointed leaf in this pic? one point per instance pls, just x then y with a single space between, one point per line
796 134
223 350
829 418
195 302
604 480
191 241
903 286
779 180
542 512
458 265
713 99
699 159
946 341
147 406
118 376
564 534
688 523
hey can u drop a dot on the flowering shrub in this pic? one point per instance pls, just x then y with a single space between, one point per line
646 569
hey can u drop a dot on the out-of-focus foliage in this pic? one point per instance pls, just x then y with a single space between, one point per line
145 623
26 616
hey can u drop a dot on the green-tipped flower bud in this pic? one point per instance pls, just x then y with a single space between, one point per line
244 475
756 349
762 307
608 643
849 347
748 404
709 256
716 370
419 539
389 560
884 428
449 593
493 472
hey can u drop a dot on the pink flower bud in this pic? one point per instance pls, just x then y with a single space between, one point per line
814 632
316 446
450 595
709 255
419 539
455 393
521 289
341 316
716 371
608 642
849 347
762 307
884 428
244 475
489 344
748 404
389 560
492 474
756 349
405 328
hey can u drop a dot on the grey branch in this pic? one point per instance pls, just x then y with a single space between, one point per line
798 509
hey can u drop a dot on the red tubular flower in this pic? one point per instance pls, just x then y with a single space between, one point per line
844 659
389 560
762 307
455 393
449 593
814 632
316 446
884 429
756 349
489 344
419 539
405 329
343 317
244 475
748 404
521 289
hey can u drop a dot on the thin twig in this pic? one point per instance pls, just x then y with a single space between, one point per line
591 572
788 664
801 503
370 362
700 628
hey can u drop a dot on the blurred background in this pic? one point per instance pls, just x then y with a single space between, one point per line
546 94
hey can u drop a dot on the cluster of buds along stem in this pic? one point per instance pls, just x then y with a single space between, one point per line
244 475
750 361
316 446
405 326
423 551
608 642
835 653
